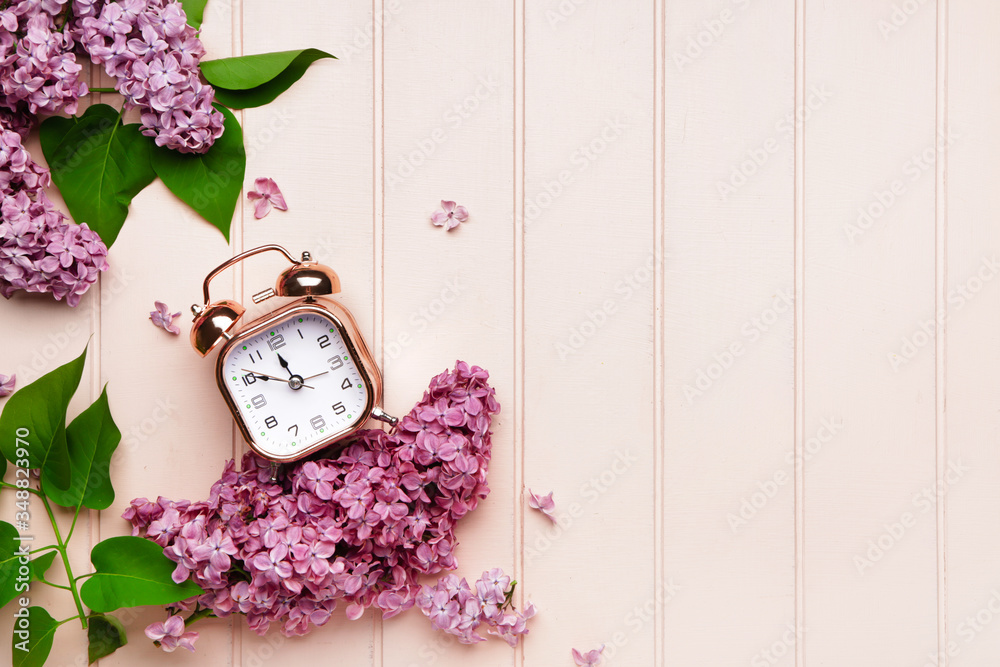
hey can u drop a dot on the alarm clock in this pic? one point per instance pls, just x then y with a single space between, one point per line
299 378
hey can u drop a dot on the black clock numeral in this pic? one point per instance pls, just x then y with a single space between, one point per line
296 427
300 334
335 363
339 408
346 384
249 379
260 355
317 422
271 422
324 341
258 401
275 342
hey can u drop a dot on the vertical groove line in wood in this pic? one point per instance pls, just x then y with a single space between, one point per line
940 298
236 246
799 362
518 206
378 228
659 315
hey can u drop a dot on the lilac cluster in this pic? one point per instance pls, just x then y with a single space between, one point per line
359 528
459 609
153 54
38 70
41 250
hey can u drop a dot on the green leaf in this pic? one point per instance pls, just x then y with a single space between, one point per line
41 564
210 183
99 166
40 409
9 563
131 572
252 81
91 439
31 644
195 11
105 635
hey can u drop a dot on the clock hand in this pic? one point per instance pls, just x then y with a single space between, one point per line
263 376
266 377
315 376
284 364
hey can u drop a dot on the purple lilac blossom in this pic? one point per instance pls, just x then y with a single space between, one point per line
459 609
41 250
357 529
149 48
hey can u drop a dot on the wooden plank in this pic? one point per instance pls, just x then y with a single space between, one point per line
176 431
970 500
729 302
315 141
589 228
869 549
448 133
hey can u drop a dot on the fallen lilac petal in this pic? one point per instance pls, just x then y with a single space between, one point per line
543 504
7 384
163 318
589 659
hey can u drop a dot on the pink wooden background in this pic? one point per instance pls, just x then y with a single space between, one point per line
732 265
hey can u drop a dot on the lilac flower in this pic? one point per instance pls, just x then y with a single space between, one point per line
41 250
266 195
7 384
459 609
169 635
588 659
163 318
543 504
449 215
153 54
358 529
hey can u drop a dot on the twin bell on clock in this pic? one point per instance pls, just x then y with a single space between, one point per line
299 378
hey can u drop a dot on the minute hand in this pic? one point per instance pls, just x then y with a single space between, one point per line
271 377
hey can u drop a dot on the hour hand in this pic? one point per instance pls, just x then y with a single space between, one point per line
284 364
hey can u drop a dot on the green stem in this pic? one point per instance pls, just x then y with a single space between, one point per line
49 583
72 526
61 547
103 90
14 486
39 550
197 615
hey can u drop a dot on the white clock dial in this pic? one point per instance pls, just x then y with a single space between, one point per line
295 384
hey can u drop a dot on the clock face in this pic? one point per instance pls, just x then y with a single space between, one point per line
295 384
